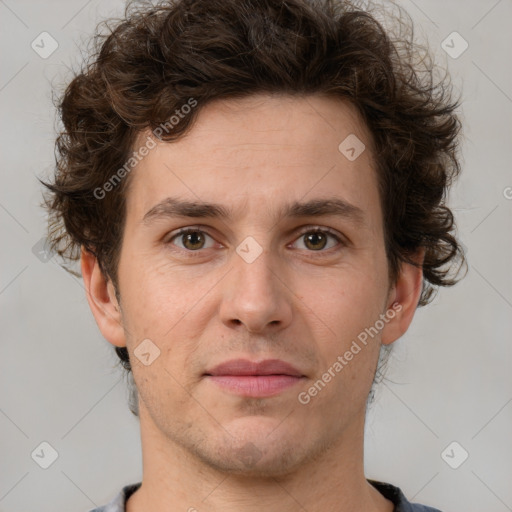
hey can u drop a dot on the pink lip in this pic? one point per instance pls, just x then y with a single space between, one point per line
248 378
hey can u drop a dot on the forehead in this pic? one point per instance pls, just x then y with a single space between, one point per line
259 153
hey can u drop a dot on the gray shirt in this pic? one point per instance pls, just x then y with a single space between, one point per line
392 493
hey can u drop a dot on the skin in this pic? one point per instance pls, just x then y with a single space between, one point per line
204 447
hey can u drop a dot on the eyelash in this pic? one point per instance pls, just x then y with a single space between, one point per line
312 229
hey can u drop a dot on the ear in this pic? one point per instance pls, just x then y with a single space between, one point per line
403 299
102 300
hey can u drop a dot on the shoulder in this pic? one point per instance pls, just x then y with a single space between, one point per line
118 503
396 496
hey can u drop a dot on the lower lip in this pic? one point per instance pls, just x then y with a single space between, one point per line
255 385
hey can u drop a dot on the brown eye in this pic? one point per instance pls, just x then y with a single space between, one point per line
192 240
315 240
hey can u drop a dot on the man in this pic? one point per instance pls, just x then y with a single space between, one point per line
255 189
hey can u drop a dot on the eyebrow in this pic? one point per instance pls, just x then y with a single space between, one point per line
172 207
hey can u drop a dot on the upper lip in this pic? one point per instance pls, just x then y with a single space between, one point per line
246 367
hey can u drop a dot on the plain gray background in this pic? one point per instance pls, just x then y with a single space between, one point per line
449 378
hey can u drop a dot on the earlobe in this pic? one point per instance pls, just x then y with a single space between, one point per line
403 300
102 300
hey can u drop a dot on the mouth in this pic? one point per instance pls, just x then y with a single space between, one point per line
255 379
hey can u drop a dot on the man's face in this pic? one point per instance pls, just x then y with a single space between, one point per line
259 283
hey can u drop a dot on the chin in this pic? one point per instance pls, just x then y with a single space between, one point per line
252 448
254 459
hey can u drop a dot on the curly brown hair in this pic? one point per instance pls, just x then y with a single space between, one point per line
158 57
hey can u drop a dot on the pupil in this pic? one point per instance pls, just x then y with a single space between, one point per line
315 238
193 239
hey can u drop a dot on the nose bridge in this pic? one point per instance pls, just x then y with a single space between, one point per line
254 296
254 270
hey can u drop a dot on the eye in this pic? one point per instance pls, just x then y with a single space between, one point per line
191 239
318 239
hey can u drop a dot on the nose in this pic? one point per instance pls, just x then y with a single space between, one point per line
256 295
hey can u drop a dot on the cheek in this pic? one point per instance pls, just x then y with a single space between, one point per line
346 301
155 294
165 305
341 310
